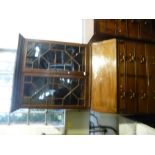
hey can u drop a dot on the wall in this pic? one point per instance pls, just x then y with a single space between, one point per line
88 30
77 122
131 127
106 119
126 126
31 130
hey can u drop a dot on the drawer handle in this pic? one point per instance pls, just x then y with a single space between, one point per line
122 58
131 57
142 59
123 95
132 21
153 60
132 94
145 22
143 96
122 20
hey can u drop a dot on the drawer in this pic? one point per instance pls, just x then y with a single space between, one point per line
146 29
121 29
133 28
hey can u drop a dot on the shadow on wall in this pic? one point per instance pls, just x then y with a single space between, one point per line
131 127
103 124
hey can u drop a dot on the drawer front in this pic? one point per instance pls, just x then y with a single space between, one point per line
121 56
133 28
151 59
121 29
151 96
146 29
110 26
130 52
141 60
105 26
131 96
122 94
142 95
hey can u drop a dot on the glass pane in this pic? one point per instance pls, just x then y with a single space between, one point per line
4 118
19 117
57 46
35 51
37 116
55 117
54 91
55 57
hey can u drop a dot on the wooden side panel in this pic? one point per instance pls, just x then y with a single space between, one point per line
104 76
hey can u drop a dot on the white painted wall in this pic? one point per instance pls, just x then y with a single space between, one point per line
68 30
77 122
131 127
127 126
106 119
37 19
88 30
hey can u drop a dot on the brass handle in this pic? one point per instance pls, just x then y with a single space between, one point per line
145 22
123 95
153 60
123 58
142 59
154 94
132 57
143 96
132 21
132 94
